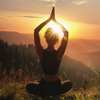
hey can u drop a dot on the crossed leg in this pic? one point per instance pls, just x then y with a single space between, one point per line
66 86
32 87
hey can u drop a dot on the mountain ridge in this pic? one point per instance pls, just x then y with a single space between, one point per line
77 49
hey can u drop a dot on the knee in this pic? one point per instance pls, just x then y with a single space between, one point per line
28 87
70 84
31 87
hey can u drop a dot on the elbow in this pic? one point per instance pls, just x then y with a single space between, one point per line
66 34
65 37
35 30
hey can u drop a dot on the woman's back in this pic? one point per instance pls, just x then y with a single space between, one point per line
49 63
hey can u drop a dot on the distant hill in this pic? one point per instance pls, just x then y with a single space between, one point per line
75 70
91 59
76 66
84 50
74 45
15 37
20 56
89 45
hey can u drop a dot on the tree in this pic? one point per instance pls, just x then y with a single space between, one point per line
85 84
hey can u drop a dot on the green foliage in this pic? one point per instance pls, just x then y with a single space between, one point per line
97 82
85 84
18 56
20 64
75 70
16 91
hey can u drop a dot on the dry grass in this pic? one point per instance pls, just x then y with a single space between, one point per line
12 87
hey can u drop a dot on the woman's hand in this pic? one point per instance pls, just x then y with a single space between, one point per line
52 16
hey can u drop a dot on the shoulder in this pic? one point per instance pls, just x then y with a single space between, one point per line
59 55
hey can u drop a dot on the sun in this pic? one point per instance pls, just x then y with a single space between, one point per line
57 29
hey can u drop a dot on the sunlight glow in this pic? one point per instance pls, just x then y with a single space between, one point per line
57 29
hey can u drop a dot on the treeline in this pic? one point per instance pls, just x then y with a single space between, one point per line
19 57
21 63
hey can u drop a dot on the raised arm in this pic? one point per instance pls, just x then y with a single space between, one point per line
37 42
64 41
38 46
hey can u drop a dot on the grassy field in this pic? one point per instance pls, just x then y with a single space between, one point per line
18 66
16 91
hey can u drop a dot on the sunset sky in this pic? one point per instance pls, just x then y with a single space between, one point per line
80 17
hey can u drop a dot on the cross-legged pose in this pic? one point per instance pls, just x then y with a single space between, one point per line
50 59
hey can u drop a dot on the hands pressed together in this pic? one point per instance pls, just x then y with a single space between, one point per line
52 16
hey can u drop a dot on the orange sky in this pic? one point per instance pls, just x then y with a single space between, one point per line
81 18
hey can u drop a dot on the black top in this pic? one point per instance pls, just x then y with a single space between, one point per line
50 64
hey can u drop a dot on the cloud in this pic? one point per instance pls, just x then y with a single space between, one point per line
25 15
32 16
10 16
52 5
53 1
28 16
80 2
3 18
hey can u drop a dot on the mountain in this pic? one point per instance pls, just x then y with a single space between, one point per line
74 45
91 59
89 45
84 50
74 70
15 37
20 56
77 46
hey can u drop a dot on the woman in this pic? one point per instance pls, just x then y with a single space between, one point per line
50 84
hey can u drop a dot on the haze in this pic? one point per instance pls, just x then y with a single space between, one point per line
81 18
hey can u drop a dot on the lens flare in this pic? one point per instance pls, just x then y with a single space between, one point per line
57 29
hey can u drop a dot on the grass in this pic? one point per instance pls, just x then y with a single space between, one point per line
13 88
16 91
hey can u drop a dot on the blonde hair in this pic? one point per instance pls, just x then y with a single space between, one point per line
51 36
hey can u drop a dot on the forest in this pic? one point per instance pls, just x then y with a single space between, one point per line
19 64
